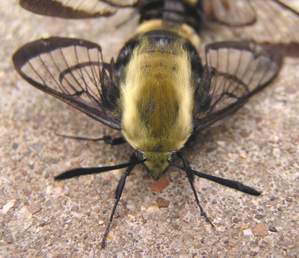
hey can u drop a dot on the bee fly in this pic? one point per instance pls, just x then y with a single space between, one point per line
159 92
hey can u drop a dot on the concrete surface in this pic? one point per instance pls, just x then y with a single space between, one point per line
43 218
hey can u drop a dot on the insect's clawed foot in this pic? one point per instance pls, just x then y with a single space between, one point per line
204 214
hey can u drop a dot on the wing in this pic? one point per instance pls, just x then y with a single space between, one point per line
75 9
273 21
73 71
233 72
291 5
230 12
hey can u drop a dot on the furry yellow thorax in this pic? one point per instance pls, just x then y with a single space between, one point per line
157 97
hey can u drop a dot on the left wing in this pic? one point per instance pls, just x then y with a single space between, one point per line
233 72
76 9
73 71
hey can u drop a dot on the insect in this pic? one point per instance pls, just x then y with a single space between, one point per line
160 92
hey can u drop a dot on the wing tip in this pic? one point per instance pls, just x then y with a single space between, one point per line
59 10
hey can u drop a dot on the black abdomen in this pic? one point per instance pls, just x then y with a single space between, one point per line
172 11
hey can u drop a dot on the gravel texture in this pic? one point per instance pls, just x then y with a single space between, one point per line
43 218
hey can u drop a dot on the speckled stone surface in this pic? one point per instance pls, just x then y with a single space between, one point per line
43 218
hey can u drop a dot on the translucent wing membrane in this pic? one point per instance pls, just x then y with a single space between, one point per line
73 71
234 71
290 4
231 12
75 9
273 22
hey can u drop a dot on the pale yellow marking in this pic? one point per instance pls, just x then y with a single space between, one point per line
155 24
191 2
158 89
189 33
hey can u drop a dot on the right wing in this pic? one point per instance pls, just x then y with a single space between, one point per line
233 72
230 12
76 9
275 21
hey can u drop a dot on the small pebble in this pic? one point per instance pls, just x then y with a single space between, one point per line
162 203
245 134
24 213
160 185
273 229
260 230
152 209
15 145
34 208
236 220
6 207
131 217
247 232
131 206
221 143
55 191
259 216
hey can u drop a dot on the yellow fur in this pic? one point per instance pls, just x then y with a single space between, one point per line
157 98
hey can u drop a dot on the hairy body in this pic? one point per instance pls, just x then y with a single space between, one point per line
157 100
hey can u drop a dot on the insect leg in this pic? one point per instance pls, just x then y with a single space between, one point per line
118 193
227 182
106 139
219 180
190 177
76 172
